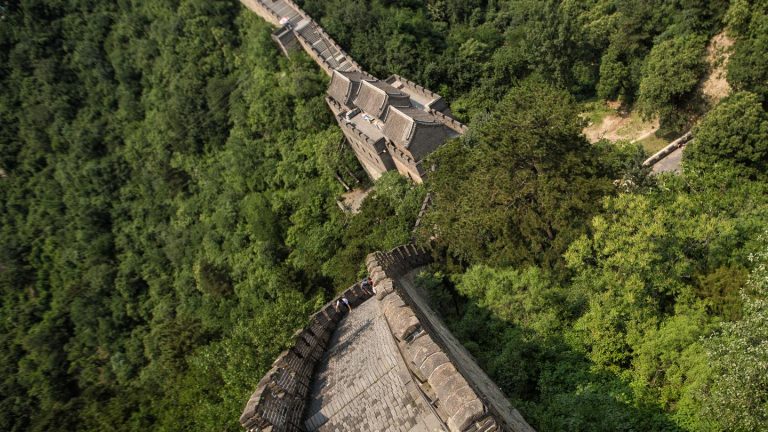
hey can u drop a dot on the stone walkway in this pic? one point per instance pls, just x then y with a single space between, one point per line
671 163
361 383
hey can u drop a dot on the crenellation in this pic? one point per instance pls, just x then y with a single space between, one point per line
384 287
467 414
412 119
455 397
390 125
402 321
428 371
279 400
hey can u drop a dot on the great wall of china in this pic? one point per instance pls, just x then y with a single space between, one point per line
390 124
389 364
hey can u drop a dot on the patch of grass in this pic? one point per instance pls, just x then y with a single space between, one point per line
595 111
651 144
634 126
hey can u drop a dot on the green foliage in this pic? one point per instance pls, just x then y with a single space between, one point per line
168 212
518 189
734 132
474 51
385 220
617 342
670 74
168 207
748 22
738 396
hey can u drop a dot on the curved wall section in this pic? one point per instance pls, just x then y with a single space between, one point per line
280 398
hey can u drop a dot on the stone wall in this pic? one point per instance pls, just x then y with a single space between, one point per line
459 391
280 398
262 10
671 147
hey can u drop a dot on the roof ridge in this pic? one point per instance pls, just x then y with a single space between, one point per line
432 121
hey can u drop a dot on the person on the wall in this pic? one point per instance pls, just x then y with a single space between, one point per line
343 301
367 285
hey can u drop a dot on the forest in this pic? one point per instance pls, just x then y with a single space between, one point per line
168 207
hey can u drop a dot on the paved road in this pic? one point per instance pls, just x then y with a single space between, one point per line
360 384
671 163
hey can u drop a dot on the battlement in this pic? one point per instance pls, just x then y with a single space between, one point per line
280 398
466 399
434 381
420 124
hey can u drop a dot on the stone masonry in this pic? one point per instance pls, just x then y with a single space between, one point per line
391 124
362 382
280 398
463 395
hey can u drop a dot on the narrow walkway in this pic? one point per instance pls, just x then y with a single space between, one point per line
361 383
671 163
315 41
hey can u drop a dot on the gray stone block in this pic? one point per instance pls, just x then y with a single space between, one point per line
250 407
391 303
431 363
403 322
371 260
377 274
421 348
485 424
463 395
329 311
446 380
384 288
309 338
463 419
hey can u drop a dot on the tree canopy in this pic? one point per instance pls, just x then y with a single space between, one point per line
168 207
734 132
518 188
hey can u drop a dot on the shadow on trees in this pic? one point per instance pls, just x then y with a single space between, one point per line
545 376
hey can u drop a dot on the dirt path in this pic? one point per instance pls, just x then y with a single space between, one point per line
353 199
619 126
715 86
629 126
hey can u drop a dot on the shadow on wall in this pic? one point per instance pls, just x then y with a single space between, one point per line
463 397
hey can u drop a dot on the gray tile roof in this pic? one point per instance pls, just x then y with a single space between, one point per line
415 130
375 96
345 85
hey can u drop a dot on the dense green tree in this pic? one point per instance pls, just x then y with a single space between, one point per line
670 74
734 132
168 205
747 23
519 188
738 396
168 209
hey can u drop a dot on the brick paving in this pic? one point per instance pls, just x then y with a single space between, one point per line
359 385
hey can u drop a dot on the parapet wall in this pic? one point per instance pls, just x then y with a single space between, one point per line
457 391
669 148
280 398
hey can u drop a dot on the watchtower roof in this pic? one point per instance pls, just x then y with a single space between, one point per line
415 130
345 86
375 96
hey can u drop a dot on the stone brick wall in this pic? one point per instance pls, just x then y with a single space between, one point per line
262 10
459 401
280 398
669 148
